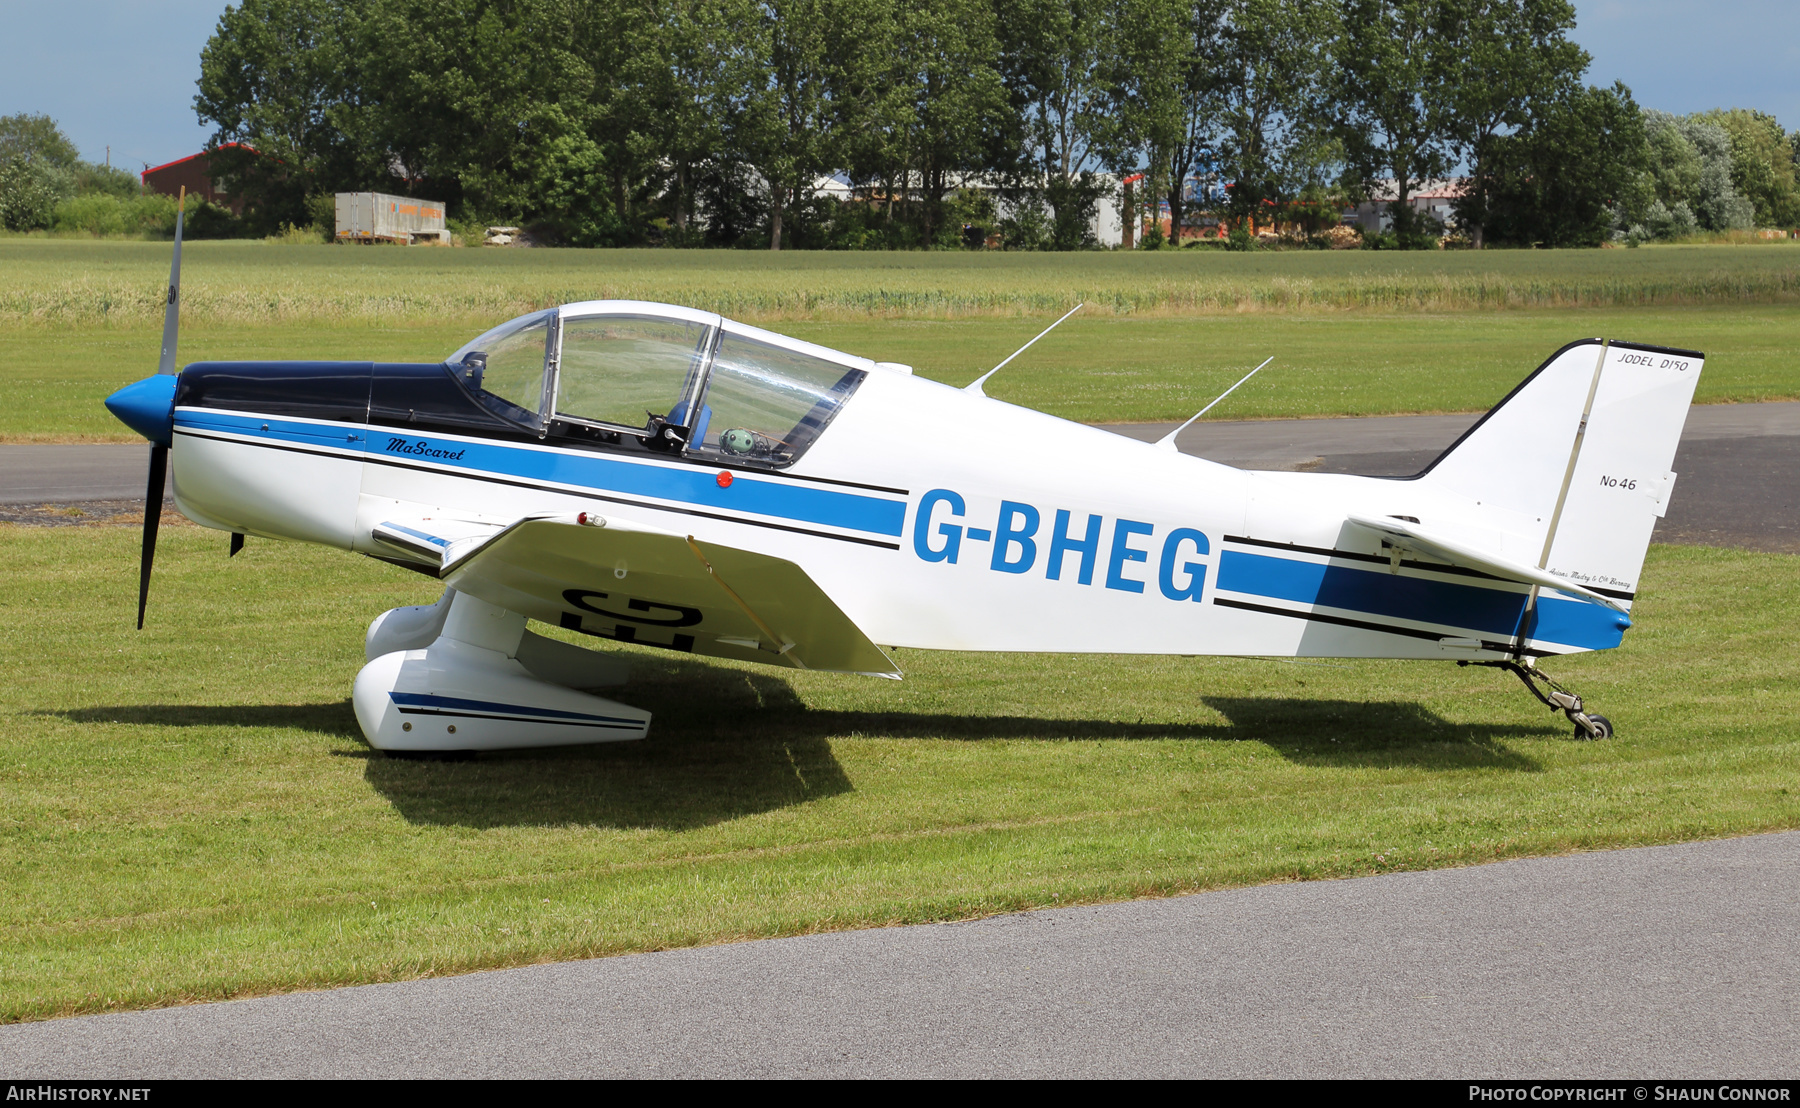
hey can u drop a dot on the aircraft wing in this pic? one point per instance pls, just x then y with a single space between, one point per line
619 581
1410 536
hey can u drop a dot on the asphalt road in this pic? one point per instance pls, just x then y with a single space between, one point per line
1670 962
37 474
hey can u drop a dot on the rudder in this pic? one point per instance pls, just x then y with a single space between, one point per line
1577 459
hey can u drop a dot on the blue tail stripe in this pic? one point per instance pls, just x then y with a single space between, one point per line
1376 592
1578 623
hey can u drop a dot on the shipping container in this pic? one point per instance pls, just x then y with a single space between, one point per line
378 217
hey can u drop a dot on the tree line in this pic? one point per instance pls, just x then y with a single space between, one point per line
689 121
708 122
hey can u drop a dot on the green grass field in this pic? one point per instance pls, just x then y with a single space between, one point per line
189 814
1093 368
1353 332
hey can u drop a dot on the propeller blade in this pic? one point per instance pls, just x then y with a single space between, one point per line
153 501
172 309
237 543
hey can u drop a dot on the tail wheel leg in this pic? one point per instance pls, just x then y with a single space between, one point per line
1588 725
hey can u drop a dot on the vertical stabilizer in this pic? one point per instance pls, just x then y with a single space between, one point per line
1579 458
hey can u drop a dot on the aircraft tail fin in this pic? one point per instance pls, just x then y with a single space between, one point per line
1579 456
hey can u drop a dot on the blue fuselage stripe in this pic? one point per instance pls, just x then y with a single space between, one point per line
1398 596
550 715
682 484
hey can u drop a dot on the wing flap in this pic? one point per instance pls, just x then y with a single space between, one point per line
662 589
1402 534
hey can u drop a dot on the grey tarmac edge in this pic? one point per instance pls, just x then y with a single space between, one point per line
1672 962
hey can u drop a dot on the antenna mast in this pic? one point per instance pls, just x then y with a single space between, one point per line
975 385
1167 442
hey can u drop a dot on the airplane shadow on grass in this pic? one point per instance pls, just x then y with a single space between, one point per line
1381 733
728 743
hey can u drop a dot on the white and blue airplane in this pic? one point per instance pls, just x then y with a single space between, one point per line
653 474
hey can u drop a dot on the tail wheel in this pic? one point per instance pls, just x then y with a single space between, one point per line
1604 724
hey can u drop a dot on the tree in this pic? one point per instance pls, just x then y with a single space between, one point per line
1687 183
27 199
1399 64
950 98
38 167
1518 55
275 76
1555 181
36 139
1716 203
1160 83
783 115
1762 164
1272 81
684 79
1675 165
489 105
1055 54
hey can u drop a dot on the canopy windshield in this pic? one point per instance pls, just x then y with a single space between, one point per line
506 366
614 373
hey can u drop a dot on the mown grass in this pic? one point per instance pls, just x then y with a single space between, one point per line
189 815
1093 368
64 281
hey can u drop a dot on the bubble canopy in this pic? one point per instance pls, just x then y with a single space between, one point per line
666 378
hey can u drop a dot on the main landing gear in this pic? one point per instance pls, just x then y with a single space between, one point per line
1588 725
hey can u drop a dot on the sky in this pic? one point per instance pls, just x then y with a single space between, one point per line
122 72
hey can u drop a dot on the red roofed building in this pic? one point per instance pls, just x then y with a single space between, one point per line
193 172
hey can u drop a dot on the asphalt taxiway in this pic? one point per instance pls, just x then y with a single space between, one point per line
1738 463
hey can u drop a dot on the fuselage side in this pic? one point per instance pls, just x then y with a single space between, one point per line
933 517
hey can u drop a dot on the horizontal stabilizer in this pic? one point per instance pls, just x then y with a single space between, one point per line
1407 536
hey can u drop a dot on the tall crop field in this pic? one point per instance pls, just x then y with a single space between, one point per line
65 281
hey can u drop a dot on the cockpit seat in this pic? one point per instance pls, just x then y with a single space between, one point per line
696 432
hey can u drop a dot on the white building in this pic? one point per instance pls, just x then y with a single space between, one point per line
1431 197
1108 225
